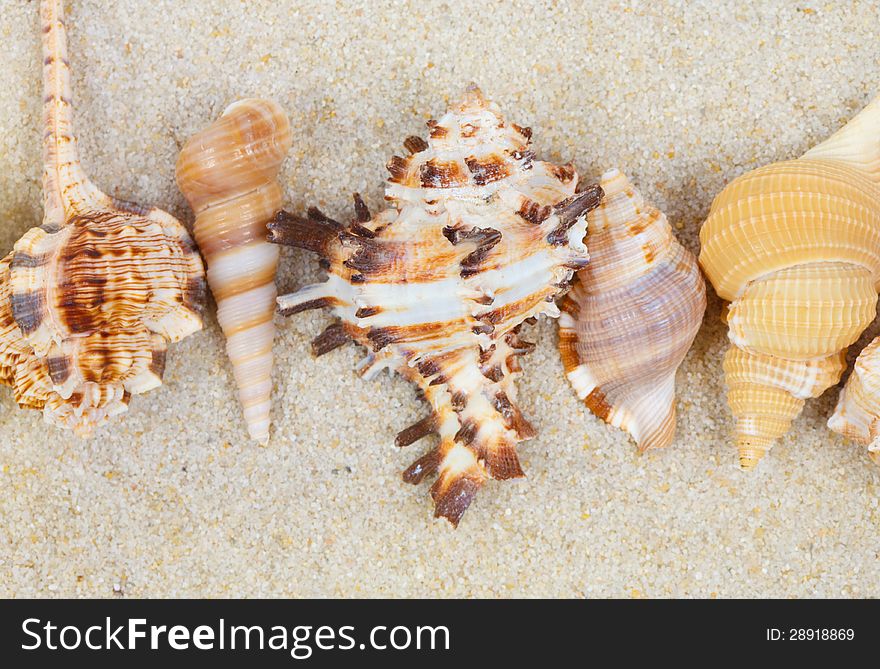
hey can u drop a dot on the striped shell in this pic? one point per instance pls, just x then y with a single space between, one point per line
631 315
89 300
857 415
795 248
228 173
480 237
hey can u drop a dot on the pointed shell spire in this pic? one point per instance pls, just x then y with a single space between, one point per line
90 299
228 173
795 248
631 315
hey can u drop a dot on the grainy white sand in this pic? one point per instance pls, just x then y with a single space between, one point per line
174 501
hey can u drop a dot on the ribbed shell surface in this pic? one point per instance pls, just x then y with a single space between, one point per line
90 299
480 237
229 174
631 315
795 248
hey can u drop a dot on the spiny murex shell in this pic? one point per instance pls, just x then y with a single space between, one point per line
89 299
228 173
480 238
795 248
631 315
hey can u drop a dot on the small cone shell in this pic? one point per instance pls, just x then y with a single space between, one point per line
766 393
795 248
857 415
228 173
90 299
631 315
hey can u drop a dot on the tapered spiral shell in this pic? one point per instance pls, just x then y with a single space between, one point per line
229 174
795 248
479 238
631 316
89 300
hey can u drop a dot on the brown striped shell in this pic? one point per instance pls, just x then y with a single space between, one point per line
89 300
228 173
479 238
631 315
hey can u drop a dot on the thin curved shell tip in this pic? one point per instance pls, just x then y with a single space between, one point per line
229 174
631 315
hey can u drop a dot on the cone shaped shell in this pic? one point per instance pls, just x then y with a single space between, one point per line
766 393
479 238
795 247
631 315
228 173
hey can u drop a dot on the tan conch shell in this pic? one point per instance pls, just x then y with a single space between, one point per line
857 415
795 248
479 238
89 299
228 173
631 315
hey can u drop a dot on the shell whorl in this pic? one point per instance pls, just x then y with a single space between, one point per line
480 238
795 248
228 173
631 315
89 300
857 415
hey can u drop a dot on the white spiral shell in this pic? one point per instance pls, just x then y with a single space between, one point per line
631 315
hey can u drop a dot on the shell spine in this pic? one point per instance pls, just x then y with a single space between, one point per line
479 238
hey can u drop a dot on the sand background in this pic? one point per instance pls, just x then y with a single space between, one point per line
174 501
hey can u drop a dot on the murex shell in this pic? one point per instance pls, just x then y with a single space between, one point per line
480 237
89 300
631 315
229 174
795 248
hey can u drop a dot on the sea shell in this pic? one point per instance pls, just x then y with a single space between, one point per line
631 316
89 300
857 415
795 248
479 238
228 173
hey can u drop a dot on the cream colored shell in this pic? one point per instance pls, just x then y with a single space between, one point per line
795 248
631 316
228 173
89 300
857 415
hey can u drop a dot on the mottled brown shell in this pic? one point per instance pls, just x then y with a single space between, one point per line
89 300
480 238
